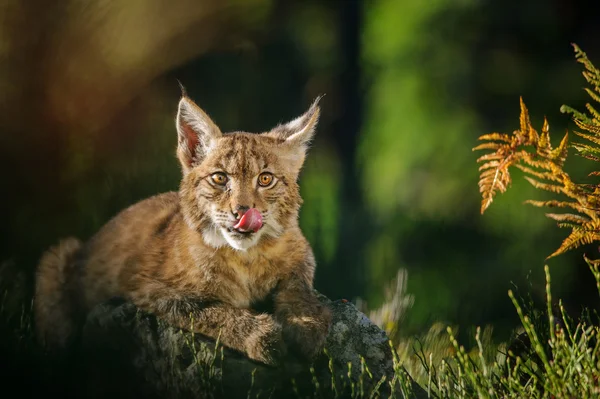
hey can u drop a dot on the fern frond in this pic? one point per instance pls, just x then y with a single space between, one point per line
565 109
533 153
594 96
544 141
567 225
489 157
525 124
512 151
540 175
553 204
537 162
578 237
586 150
594 112
558 204
488 146
592 74
590 127
545 186
568 217
588 188
492 180
496 136
488 165
559 154
590 157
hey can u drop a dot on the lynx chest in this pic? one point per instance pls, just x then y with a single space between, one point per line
250 281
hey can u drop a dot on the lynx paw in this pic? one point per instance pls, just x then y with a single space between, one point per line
306 335
266 344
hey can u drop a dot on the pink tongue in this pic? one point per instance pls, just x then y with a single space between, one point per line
251 220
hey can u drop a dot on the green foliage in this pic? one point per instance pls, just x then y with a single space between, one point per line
320 189
403 169
426 92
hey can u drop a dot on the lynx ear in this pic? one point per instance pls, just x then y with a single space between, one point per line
197 133
297 134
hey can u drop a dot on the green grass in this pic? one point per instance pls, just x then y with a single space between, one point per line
557 358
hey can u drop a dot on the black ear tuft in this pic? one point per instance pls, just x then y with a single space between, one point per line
183 91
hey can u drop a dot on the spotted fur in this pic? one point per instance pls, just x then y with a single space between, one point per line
175 255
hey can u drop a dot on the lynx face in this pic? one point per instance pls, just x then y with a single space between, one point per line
239 188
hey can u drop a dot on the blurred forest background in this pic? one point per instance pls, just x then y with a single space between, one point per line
88 93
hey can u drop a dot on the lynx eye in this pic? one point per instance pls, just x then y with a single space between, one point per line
219 178
265 179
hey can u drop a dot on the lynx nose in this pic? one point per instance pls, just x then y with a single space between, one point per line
239 211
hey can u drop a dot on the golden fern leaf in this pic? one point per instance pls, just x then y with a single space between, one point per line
488 157
494 175
558 204
573 190
568 217
537 162
559 154
543 167
489 169
545 186
554 204
496 136
510 151
544 141
525 124
593 111
540 175
567 225
590 128
489 146
582 235
489 165
492 180
591 158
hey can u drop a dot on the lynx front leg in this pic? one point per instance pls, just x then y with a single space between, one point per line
304 318
258 336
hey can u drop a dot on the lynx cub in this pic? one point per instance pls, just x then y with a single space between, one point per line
227 240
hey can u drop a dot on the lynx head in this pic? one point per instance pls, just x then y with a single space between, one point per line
239 187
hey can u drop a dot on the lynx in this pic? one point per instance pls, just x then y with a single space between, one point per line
226 242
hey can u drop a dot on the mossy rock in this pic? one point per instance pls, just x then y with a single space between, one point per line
127 352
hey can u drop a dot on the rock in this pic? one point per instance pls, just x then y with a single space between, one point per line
127 352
